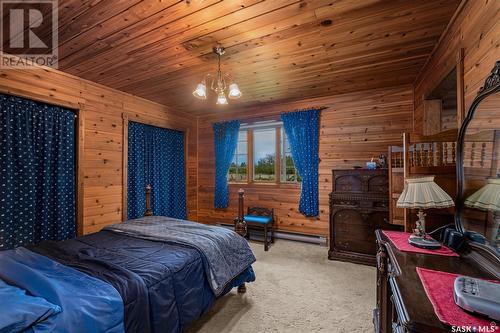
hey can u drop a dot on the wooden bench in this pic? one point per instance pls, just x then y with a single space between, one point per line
261 218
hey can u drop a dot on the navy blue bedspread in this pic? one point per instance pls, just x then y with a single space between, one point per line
88 304
163 285
225 253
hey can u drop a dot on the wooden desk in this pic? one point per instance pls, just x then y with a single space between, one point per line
402 304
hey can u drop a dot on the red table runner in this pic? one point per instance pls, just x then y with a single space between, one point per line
439 289
400 241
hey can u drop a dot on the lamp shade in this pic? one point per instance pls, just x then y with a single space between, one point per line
487 197
423 192
200 91
221 98
234 91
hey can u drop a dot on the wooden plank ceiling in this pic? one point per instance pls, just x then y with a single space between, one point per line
276 49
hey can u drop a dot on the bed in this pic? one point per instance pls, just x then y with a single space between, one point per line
153 274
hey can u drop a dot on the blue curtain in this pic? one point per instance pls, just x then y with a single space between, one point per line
156 157
225 141
302 130
37 172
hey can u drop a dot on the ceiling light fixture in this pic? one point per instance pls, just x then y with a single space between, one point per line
218 83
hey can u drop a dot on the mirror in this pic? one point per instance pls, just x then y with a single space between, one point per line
479 169
441 106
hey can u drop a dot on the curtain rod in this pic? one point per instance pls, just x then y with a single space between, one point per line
276 120
311 108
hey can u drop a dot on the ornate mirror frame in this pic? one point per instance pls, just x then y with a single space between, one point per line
483 254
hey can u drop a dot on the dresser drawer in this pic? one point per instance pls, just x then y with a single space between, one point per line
361 181
359 200
353 231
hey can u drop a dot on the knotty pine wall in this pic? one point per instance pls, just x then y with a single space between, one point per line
475 32
102 110
354 127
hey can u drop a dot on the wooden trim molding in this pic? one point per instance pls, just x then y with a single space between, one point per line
186 134
249 156
34 96
80 176
152 121
406 173
460 87
277 166
137 119
125 167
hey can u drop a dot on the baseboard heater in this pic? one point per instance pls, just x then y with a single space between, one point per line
259 235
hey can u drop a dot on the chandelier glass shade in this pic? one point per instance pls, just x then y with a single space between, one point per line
221 83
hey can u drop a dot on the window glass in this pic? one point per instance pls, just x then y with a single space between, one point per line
238 171
264 159
289 173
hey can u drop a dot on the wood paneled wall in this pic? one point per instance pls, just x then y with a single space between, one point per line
101 110
475 32
354 128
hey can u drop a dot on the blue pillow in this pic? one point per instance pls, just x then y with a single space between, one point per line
19 311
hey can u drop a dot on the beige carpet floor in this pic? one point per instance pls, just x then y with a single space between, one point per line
297 290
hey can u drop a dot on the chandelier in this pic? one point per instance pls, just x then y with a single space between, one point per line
218 83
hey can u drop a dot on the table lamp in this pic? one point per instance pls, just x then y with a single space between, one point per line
487 198
423 193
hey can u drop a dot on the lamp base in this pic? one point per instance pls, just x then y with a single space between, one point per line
424 243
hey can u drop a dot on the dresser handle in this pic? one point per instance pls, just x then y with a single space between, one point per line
381 265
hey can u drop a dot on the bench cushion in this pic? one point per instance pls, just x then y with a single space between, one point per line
258 219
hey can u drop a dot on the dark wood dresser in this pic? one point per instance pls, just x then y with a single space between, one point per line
402 304
358 206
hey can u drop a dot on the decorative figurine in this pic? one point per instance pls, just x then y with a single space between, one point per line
382 161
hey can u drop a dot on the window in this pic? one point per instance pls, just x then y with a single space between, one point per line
264 155
239 166
263 152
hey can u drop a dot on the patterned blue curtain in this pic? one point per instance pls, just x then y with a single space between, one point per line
139 150
302 130
225 141
37 172
156 157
